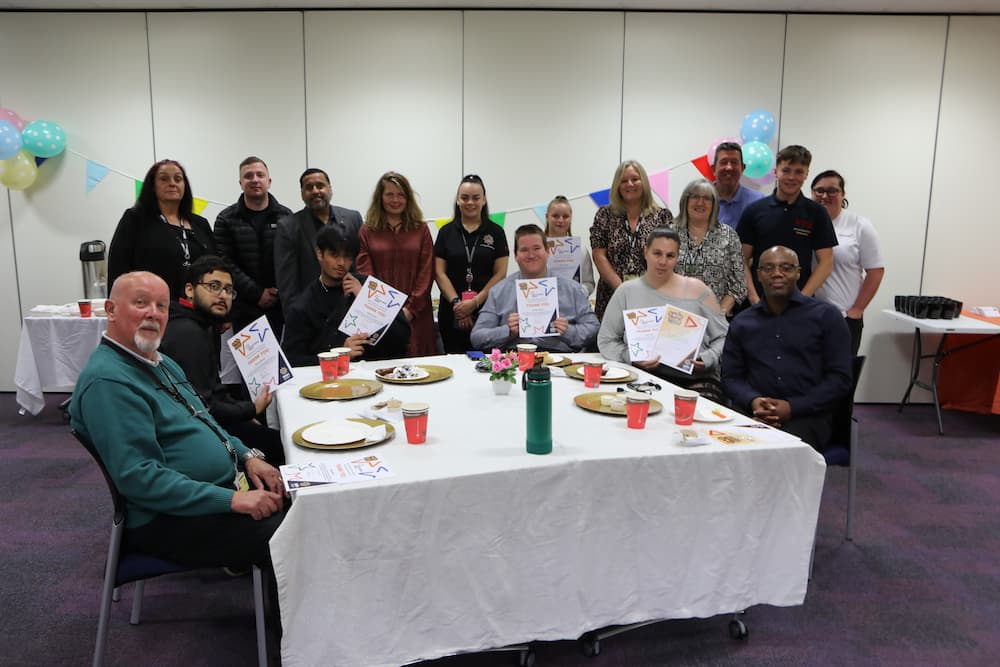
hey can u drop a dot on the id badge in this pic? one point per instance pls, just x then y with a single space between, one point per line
242 484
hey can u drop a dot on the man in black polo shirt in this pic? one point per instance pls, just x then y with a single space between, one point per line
790 219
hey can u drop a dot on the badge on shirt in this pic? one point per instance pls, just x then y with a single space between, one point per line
241 483
629 276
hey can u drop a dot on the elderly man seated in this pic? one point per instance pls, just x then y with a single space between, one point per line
787 359
498 324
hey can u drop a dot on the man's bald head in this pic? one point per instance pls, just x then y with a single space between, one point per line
137 311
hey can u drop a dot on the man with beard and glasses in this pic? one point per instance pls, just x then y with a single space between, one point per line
194 494
192 340
295 263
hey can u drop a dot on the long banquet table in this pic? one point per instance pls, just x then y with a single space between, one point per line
475 544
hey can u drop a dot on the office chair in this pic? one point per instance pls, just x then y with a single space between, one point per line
124 567
844 446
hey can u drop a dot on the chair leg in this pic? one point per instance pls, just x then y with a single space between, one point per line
110 569
852 479
137 602
116 595
258 610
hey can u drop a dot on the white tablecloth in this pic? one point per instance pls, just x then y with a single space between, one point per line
52 352
476 544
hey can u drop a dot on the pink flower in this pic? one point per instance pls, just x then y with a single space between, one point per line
505 364
497 367
495 355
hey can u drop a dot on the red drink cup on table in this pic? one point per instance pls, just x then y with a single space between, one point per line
86 308
685 401
343 359
328 366
415 421
592 374
526 356
636 408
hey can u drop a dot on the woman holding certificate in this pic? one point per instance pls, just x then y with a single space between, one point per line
470 257
621 228
396 247
660 286
558 220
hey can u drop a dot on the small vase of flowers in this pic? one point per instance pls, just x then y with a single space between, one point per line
503 371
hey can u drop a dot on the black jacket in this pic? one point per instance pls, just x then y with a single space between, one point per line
192 340
249 255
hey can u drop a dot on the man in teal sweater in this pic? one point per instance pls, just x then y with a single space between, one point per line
177 468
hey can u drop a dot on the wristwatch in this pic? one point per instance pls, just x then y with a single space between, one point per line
455 300
254 453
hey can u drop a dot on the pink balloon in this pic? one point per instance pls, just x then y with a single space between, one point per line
766 179
715 144
11 117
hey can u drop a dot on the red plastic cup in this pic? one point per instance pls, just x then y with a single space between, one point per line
637 409
329 366
526 356
343 359
415 421
592 374
86 308
685 401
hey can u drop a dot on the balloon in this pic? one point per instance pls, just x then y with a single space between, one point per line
715 145
765 180
10 140
758 125
758 158
11 117
18 172
43 138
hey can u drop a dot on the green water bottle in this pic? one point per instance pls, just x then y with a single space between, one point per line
537 383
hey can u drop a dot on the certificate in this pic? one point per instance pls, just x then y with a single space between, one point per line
537 306
373 310
670 333
566 257
259 357
338 471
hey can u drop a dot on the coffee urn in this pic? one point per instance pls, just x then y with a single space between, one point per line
95 270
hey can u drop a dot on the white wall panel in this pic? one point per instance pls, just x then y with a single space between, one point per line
861 92
225 86
385 93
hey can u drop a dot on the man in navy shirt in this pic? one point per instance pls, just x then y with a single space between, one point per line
787 359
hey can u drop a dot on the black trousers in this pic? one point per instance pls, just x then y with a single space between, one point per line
813 429
855 327
263 438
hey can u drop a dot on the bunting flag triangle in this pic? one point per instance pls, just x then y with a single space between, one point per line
601 197
660 184
39 160
138 189
95 174
198 205
499 217
702 165
540 211
441 222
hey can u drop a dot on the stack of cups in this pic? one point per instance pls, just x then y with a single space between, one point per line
343 359
526 356
592 374
329 366
415 421
637 408
685 401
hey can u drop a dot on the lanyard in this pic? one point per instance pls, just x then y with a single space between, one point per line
182 240
469 253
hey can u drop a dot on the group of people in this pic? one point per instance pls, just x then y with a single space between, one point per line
783 281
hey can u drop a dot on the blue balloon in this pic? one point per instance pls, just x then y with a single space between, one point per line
10 140
758 125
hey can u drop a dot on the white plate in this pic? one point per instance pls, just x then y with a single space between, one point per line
703 413
421 374
554 358
615 373
336 432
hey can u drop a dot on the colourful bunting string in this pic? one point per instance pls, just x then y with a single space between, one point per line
540 210
95 174
659 182
601 197
703 167
198 205
499 217
441 222
138 189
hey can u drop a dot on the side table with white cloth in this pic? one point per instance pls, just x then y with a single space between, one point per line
474 544
53 349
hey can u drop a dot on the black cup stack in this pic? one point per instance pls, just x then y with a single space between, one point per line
928 307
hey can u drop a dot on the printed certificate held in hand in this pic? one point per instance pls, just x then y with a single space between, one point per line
537 307
566 257
670 333
373 310
259 357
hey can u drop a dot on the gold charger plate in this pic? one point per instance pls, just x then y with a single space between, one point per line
563 362
341 389
592 401
576 371
390 432
434 374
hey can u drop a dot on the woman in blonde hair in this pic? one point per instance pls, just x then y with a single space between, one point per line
619 232
395 246
558 223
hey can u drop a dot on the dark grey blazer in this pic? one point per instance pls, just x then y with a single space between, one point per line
295 263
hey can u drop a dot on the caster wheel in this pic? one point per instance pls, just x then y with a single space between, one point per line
528 658
590 645
738 629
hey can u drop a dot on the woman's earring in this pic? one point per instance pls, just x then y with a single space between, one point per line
844 203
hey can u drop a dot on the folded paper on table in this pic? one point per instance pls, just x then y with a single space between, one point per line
373 310
670 333
344 470
537 307
259 357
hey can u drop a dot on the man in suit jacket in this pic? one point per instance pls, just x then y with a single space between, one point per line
295 263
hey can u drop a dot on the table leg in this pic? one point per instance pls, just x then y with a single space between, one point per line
938 356
914 368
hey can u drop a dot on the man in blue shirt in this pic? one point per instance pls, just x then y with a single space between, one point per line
728 167
787 360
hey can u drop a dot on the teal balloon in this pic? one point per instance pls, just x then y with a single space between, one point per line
10 140
758 158
43 138
758 125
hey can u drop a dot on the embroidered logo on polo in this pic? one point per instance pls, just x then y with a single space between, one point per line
488 241
802 227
